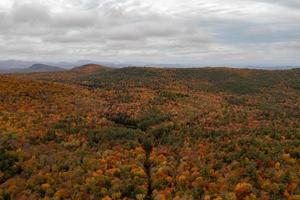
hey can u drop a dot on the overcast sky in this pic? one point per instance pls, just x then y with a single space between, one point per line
199 32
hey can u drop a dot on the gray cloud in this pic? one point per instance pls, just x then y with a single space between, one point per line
73 19
216 32
288 3
30 13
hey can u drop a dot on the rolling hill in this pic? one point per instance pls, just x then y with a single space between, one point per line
90 68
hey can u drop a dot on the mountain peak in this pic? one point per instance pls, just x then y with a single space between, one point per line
44 68
90 68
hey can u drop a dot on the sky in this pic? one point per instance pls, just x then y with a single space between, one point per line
189 32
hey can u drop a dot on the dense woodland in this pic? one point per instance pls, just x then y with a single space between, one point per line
150 133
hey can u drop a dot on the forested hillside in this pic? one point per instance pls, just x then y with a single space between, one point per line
150 133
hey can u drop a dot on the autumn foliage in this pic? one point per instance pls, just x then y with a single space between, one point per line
147 133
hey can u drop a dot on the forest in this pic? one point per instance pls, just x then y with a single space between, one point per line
101 133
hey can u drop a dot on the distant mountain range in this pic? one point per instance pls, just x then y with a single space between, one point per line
19 66
8 65
33 68
14 64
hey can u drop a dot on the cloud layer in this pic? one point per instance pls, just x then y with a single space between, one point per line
198 32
